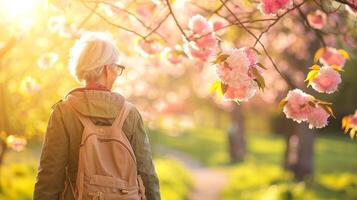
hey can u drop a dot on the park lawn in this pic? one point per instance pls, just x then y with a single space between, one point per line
261 175
19 171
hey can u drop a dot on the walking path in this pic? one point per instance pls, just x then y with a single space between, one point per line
208 182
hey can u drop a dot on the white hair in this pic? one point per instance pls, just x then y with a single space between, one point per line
89 55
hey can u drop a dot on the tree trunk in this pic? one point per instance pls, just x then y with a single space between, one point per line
299 152
236 139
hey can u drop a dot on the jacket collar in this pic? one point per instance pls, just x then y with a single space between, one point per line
95 101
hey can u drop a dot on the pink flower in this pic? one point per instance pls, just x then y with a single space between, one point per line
174 54
317 19
150 47
202 39
235 72
30 85
318 118
327 80
144 11
47 60
199 25
243 92
208 41
175 59
16 143
273 6
202 54
297 106
217 25
252 56
331 56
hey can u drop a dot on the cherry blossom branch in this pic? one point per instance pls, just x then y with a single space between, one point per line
176 22
236 23
151 31
85 20
111 23
317 32
276 21
121 9
158 26
261 44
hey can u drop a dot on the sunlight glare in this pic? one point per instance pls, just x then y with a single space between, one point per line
20 12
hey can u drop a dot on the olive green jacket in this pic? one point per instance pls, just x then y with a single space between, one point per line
63 136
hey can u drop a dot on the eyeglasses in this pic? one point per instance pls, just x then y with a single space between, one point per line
121 68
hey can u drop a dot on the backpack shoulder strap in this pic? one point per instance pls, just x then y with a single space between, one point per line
119 120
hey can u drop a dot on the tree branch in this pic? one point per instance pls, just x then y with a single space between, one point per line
177 23
318 34
111 23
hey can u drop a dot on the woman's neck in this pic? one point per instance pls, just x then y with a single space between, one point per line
96 85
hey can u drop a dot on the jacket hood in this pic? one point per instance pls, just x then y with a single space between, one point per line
96 103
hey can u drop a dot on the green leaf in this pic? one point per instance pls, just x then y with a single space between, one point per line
315 67
328 109
337 68
258 78
324 103
312 104
224 88
281 104
318 54
214 86
254 49
261 65
344 53
310 76
220 58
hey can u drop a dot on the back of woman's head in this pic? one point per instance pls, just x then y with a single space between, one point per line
89 55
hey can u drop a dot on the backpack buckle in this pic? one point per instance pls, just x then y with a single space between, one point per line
124 191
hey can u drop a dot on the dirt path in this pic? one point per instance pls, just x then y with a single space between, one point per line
208 182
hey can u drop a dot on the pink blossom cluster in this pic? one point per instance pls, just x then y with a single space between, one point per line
328 77
16 143
174 54
47 60
273 6
236 73
332 56
150 46
317 19
202 39
327 80
301 108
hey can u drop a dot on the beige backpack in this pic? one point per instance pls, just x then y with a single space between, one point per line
107 167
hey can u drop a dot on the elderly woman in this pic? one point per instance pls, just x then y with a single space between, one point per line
95 61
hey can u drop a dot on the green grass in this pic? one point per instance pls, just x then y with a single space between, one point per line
175 181
261 175
19 172
208 146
